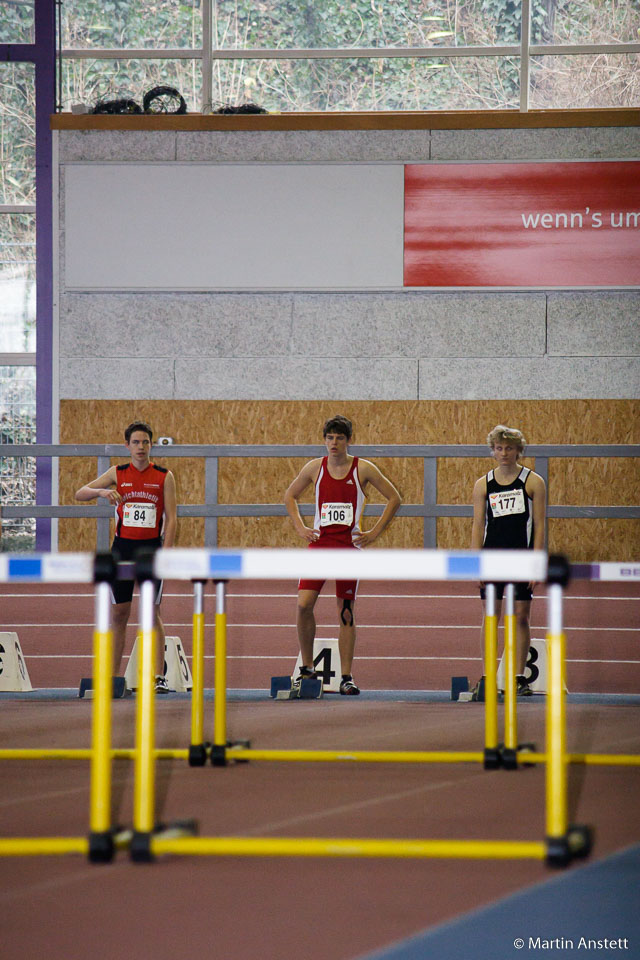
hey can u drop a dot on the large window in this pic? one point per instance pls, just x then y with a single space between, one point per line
17 474
17 21
17 278
301 55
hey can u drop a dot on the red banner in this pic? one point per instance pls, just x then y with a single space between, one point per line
522 224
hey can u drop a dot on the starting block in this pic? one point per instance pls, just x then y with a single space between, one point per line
119 689
326 663
459 685
13 670
176 667
310 689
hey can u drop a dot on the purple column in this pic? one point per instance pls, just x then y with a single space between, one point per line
45 68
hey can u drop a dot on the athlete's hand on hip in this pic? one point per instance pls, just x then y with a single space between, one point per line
111 495
364 538
311 536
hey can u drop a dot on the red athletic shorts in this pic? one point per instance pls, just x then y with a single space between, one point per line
345 589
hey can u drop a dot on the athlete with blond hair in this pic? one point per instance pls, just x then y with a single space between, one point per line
509 511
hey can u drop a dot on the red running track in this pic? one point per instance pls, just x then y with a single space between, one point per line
410 635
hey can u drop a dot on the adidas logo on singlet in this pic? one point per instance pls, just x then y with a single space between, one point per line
349 482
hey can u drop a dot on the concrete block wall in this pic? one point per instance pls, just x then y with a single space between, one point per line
363 345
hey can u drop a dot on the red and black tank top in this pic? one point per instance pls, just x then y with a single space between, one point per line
140 514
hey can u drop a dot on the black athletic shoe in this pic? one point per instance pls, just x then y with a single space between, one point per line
522 688
161 685
305 674
348 687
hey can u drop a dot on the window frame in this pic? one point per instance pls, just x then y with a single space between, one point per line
207 54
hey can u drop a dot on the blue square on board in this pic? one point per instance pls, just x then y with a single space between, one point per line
25 568
465 567
225 564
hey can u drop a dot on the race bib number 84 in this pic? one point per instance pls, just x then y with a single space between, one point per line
139 515
332 513
504 504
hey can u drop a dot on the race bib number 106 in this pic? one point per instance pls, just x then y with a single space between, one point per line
332 513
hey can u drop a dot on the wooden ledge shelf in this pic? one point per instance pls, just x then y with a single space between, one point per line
375 120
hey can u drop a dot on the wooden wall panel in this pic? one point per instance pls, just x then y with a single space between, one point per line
572 481
588 541
601 481
278 532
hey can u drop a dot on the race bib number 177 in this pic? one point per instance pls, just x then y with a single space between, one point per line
507 502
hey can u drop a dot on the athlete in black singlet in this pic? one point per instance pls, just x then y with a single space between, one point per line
509 509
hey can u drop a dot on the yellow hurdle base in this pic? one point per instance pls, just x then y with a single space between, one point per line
355 756
42 846
328 756
84 753
305 847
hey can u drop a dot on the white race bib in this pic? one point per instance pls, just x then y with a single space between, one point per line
139 514
333 513
506 503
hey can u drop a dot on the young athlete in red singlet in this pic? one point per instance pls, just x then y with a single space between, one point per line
340 482
144 495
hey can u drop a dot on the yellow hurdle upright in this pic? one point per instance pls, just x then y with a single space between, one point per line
556 769
100 791
510 719
218 751
144 763
564 841
197 750
491 753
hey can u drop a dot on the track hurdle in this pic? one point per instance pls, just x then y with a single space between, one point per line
102 840
119 571
607 572
226 567
562 843
78 568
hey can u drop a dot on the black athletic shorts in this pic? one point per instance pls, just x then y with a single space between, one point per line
522 592
125 551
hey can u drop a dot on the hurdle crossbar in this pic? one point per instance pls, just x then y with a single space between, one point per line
512 566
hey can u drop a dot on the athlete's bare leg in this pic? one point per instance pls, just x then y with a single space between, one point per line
523 633
160 642
346 634
120 618
306 624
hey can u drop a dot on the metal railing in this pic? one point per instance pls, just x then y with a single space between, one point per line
211 510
